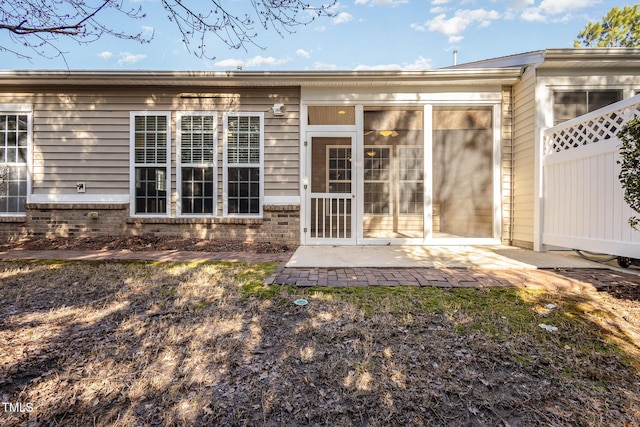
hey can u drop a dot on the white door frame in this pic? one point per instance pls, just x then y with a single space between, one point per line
340 198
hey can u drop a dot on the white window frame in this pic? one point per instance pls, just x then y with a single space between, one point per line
399 182
133 165
26 110
587 92
226 165
328 181
179 164
389 181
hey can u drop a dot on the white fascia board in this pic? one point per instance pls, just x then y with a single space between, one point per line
186 79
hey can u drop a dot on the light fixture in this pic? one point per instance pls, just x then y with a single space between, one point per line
342 112
391 133
371 153
278 109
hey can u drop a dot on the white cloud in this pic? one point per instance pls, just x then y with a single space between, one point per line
256 61
339 17
556 7
379 67
130 58
323 66
551 10
438 9
303 53
418 27
520 4
419 64
124 58
437 2
391 3
533 15
343 17
454 27
336 7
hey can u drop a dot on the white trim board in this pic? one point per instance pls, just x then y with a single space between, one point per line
79 198
281 200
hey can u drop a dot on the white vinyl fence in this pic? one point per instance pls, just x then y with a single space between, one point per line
583 203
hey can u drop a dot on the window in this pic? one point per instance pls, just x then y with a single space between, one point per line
243 170
411 179
377 180
568 105
14 137
339 169
150 153
197 146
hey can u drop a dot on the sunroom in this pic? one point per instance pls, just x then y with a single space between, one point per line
406 167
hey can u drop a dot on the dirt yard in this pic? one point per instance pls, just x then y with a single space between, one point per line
146 344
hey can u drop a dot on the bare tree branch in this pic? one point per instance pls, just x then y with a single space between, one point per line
39 24
72 29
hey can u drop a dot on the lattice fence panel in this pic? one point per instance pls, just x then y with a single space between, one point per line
590 131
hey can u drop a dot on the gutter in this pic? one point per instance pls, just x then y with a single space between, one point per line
258 78
596 58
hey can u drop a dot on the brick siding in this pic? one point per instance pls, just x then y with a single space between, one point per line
279 224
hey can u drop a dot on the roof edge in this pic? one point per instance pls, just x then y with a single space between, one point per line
516 60
559 57
249 78
591 53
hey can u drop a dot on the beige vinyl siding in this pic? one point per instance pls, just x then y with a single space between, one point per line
524 126
282 151
84 135
76 140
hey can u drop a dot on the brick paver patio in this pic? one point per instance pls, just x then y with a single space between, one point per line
567 279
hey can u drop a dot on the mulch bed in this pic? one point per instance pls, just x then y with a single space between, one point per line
143 243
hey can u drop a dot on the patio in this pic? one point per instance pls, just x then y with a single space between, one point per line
469 257
445 267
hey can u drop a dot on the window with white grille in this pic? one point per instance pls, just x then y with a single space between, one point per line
377 180
338 169
243 164
197 146
14 137
151 147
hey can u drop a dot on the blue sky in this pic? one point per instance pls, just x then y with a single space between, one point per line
364 35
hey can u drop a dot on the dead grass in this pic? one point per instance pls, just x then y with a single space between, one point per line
206 344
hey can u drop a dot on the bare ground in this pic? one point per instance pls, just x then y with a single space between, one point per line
105 343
